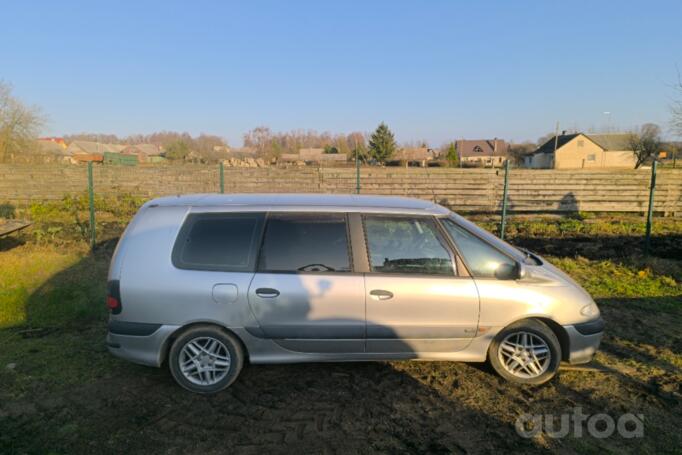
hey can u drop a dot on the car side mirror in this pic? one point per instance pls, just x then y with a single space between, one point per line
507 271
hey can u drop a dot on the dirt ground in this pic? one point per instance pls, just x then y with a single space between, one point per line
389 407
62 392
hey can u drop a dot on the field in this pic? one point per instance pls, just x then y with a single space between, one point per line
62 392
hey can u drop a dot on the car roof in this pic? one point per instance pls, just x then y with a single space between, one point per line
305 202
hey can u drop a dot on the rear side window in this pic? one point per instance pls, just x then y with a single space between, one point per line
219 241
406 245
305 243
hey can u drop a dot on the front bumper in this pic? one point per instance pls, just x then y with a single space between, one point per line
140 343
583 340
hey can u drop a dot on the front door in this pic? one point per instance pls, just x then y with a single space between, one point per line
416 302
305 295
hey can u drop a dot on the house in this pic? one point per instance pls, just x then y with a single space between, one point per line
482 152
317 155
92 148
419 155
583 151
145 152
49 147
310 154
55 140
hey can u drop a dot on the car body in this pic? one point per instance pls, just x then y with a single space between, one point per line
314 278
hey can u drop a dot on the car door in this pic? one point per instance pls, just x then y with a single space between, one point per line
305 294
416 300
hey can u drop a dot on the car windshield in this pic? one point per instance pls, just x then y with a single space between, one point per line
520 255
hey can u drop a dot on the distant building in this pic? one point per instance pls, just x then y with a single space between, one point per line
482 152
583 151
55 140
317 155
93 148
310 154
48 146
145 153
420 155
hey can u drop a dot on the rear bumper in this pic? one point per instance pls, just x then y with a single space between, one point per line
584 340
139 343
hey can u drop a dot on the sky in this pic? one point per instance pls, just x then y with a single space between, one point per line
432 70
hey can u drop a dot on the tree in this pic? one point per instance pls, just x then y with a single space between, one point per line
331 150
19 124
177 150
451 155
646 143
517 152
361 152
676 120
382 143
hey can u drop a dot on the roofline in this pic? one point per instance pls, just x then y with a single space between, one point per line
199 202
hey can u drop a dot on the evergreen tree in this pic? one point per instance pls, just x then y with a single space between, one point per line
451 155
382 143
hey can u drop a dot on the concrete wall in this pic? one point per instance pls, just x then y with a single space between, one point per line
464 190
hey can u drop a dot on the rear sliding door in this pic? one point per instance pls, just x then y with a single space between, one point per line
305 294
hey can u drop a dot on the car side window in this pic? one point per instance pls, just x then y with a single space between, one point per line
484 261
406 245
218 241
305 243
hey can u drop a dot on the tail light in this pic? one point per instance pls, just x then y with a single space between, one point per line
114 296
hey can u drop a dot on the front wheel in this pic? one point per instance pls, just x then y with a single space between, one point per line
526 352
205 359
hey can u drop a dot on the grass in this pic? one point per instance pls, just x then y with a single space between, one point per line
44 285
607 278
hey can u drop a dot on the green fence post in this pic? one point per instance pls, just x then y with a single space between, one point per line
504 199
649 216
357 173
91 201
222 178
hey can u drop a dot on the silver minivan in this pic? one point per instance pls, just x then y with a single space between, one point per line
206 283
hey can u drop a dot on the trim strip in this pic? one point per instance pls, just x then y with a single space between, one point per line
137 329
591 327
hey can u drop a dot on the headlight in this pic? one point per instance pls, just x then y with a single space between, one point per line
590 310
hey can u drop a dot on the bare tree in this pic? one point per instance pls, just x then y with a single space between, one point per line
517 152
19 124
676 109
646 143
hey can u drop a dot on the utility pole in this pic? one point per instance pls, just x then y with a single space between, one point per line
556 138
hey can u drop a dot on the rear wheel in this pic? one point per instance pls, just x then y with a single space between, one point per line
205 359
526 352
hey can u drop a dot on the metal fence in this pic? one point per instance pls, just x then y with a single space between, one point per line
503 204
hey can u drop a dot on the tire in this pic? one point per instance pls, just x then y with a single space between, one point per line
541 359
204 372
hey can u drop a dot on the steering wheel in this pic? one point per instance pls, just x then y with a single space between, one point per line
315 268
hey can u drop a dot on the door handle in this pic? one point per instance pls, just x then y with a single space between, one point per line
381 294
267 293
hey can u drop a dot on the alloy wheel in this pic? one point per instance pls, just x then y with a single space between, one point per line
204 361
524 354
